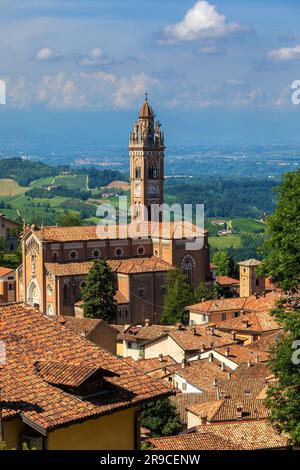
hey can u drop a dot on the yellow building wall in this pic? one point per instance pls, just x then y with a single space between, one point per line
12 430
111 432
120 349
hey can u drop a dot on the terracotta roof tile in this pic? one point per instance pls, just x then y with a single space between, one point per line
248 435
238 354
143 230
29 337
151 365
247 304
193 441
254 321
124 266
5 271
227 281
226 410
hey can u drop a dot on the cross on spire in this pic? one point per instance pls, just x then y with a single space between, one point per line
146 96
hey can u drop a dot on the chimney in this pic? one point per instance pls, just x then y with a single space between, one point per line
183 363
147 322
229 375
233 335
202 349
178 326
227 350
203 419
212 331
215 382
210 357
194 331
239 410
246 323
222 366
161 357
249 364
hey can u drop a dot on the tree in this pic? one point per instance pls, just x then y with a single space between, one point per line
98 293
180 294
202 293
283 397
282 263
69 220
282 246
222 260
161 418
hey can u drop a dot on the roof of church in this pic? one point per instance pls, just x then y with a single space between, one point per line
124 266
172 230
250 262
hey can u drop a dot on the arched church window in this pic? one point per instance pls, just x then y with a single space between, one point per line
73 255
138 172
119 252
96 254
188 263
141 250
55 256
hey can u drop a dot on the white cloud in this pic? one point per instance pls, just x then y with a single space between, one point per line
46 53
60 91
285 54
132 88
254 96
94 57
202 21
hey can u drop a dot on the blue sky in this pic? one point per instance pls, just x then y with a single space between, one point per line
217 71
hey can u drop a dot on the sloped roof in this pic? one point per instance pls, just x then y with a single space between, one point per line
253 321
248 435
227 281
165 230
5 271
29 337
124 266
192 441
226 410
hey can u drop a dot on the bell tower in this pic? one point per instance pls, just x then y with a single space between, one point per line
146 152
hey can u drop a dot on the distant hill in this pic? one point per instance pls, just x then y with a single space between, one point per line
25 171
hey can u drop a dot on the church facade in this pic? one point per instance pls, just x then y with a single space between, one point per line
56 260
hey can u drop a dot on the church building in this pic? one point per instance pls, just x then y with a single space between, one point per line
56 260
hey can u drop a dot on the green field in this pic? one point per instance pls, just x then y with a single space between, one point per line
225 241
10 187
71 181
247 225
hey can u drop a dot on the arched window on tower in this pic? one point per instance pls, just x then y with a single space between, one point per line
187 265
153 172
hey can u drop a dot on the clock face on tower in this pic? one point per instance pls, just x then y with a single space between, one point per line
137 188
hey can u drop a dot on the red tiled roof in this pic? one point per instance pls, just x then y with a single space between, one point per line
29 337
226 410
253 321
227 281
252 303
165 230
238 354
202 374
248 435
193 441
124 266
5 271
153 364
71 375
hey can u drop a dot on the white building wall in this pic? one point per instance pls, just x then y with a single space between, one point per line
180 383
165 346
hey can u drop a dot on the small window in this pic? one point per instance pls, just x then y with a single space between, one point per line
73 255
235 314
184 386
141 250
138 172
96 254
129 344
119 252
10 287
223 316
54 256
